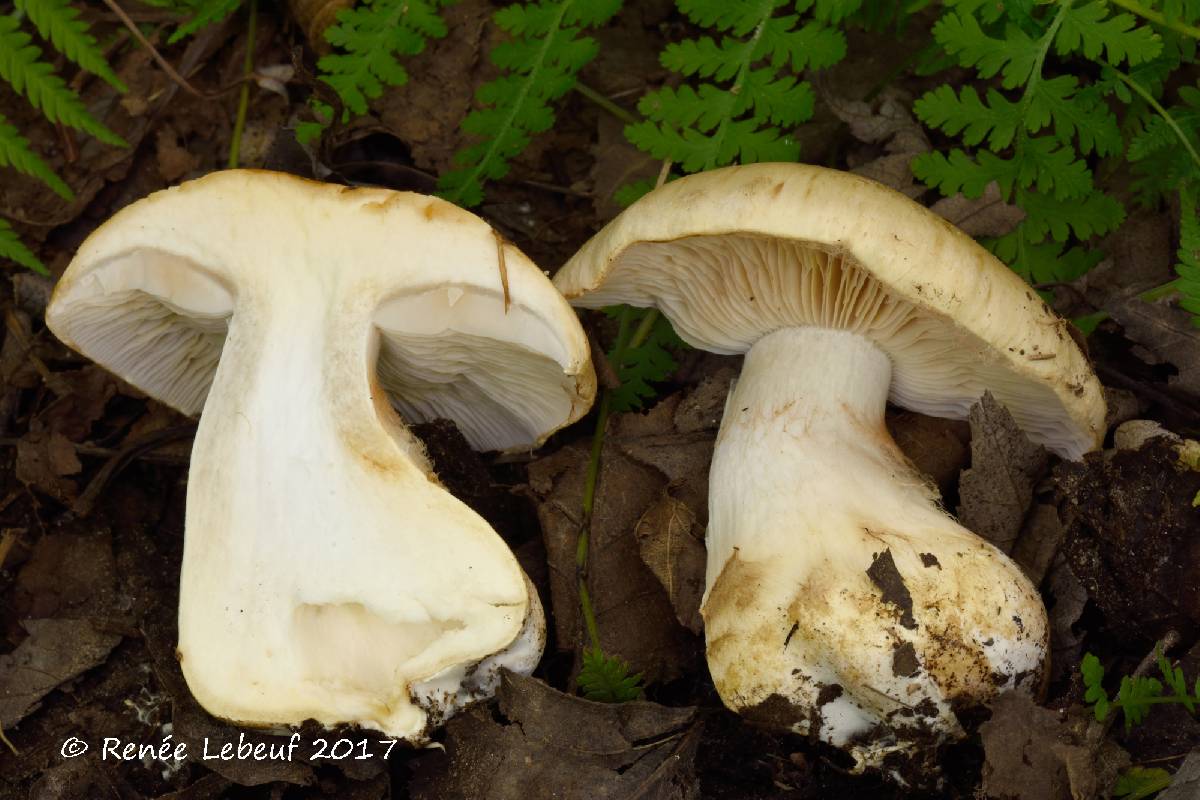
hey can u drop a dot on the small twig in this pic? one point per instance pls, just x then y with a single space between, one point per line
239 124
152 441
606 104
136 32
9 744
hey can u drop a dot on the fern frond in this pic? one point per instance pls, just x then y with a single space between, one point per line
58 22
1094 214
638 368
372 37
744 112
13 249
968 115
606 679
21 65
1013 56
1044 165
1075 114
15 152
1088 29
1188 266
204 13
540 63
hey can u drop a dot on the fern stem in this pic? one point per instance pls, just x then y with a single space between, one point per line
606 104
1158 17
239 123
476 174
1162 112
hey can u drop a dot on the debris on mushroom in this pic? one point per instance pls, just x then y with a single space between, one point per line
841 600
326 572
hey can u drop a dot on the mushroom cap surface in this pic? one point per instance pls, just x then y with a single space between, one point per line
733 254
470 329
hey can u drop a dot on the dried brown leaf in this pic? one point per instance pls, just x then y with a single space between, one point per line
56 651
550 744
986 215
672 545
996 491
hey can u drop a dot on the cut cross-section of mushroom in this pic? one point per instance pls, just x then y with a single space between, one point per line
841 601
327 574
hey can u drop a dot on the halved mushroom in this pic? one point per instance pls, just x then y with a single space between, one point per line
841 600
326 572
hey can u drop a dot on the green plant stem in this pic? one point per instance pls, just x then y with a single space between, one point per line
766 11
606 104
239 124
1158 17
1162 112
476 176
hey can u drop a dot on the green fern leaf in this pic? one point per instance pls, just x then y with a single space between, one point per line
744 110
58 21
1089 29
1040 261
13 249
1138 783
1188 266
21 66
1074 113
638 368
968 115
606 679
1013 56
1094 214
205 13
541 63
15 152
372 36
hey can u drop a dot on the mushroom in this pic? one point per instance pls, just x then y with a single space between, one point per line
326 573
840 600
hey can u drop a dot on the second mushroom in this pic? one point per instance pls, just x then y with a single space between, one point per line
841 601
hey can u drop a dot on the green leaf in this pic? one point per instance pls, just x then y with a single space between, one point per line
13 249
22 66
58 21
1074 113
540 63
1188 266
968 115
749 96
638 368
1013 56
1138 783
15 152
371 38
1093 215
205 13
606 679
1089 29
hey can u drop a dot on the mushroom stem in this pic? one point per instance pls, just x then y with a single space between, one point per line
841 601
320 547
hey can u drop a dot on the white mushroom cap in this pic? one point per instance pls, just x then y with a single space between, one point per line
732 254
841 601
326 572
